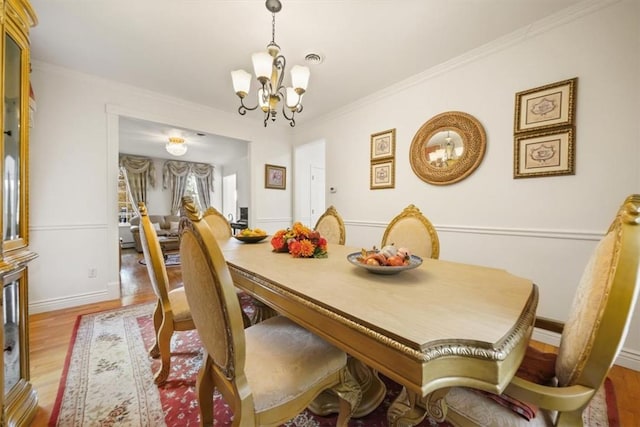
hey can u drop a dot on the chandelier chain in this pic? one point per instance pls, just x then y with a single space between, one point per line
273 27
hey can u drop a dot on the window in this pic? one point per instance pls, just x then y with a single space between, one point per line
192 190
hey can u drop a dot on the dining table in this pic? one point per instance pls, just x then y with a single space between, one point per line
438 325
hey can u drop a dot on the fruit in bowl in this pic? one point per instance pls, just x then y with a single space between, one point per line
252 232
389 255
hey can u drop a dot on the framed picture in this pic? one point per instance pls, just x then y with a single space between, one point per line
544 154
547 106
383 144
383 174
275 177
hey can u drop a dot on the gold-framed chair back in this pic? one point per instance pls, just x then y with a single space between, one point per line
172 311
331 226
591 338
218 223
266 373
412 230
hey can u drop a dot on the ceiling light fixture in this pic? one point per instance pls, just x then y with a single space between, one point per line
269 68
176 146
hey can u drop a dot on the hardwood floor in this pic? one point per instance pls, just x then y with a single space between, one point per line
50 335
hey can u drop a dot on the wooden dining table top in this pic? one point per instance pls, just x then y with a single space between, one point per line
442 323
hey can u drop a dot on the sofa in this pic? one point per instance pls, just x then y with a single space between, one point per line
165 225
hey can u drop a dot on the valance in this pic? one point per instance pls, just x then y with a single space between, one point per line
140 165
140 172
174 177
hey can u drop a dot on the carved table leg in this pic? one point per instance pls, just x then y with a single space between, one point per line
373 392
262 312
409 409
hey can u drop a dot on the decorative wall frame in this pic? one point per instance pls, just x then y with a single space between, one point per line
545 153
383 174
383 144
460 140
275 177
545 107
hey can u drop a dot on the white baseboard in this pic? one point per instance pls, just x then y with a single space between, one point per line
70 301
113 290
627 358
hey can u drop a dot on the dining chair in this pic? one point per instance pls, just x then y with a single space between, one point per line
267 373
222 230
556 389
172 310
218 223
331 227
412 230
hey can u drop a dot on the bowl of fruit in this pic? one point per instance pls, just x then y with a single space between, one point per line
388 260
251 235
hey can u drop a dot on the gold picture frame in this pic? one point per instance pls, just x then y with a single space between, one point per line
470 139
275 177
547 153
546 107
383 174
383 144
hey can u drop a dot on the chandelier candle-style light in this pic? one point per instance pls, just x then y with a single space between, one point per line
176 146
269 68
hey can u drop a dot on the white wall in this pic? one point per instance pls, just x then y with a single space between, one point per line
73 176
239 167
540 228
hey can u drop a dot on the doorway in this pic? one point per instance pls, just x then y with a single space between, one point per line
309 182
230 197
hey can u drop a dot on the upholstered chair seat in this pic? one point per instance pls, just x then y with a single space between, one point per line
267 373
278 368
179 305
590 341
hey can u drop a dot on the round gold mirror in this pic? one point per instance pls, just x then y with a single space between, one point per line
447 148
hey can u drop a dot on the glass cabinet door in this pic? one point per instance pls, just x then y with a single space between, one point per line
14 330
14 152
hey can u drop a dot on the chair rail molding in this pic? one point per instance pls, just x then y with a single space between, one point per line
499 231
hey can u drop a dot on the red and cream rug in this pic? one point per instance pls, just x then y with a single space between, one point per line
108 380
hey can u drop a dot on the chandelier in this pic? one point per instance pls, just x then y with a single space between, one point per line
176 146
269 68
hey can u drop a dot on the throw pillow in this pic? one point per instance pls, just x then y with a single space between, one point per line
156 225
174 227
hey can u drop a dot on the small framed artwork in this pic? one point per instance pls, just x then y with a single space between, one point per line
547 106
383 144
275 177
544 154
383 174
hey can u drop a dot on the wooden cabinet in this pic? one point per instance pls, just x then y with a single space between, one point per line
19 400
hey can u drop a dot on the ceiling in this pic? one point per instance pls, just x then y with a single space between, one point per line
186 49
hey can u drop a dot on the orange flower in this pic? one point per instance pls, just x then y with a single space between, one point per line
300 241
306 248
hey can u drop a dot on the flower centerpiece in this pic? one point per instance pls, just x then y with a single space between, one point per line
300 241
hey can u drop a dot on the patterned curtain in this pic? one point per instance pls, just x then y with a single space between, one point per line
204 180
174 177
140 172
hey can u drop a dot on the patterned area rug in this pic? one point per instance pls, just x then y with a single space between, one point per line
108 379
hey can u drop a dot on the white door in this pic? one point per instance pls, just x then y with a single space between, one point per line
316 194
229 197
